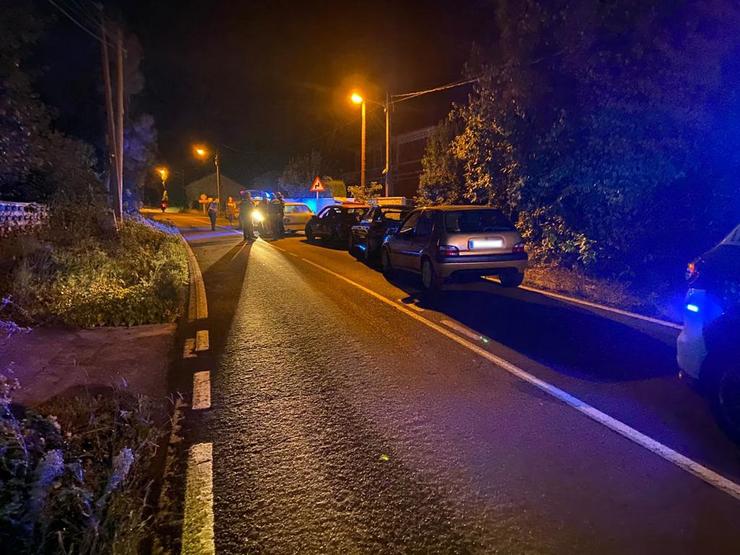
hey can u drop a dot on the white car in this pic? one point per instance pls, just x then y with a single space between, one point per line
296 217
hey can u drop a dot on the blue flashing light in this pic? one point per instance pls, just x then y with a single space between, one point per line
691 307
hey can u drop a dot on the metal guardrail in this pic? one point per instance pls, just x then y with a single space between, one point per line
20 217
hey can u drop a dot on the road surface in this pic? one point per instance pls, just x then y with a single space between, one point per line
349 416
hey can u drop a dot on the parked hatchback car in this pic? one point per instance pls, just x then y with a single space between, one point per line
708 347
333 223
296 216
366 238
447 242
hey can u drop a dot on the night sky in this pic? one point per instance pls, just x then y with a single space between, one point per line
267 80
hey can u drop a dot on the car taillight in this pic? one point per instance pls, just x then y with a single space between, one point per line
518 248
448 250
693 270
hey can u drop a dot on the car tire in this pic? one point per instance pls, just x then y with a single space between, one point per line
351 245
385 263
512 278
430 281
310 237
726 398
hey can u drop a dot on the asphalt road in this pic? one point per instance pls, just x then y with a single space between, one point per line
346 417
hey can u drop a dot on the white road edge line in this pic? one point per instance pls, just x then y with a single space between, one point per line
197 527
683 462
202 390
603 307
293 254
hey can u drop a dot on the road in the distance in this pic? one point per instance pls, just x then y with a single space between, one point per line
341 424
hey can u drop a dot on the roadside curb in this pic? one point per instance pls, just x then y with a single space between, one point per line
597 306
606 308
197 307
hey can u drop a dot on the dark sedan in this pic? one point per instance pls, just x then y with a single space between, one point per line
367 236
333 223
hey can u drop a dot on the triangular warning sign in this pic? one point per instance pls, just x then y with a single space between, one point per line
317 186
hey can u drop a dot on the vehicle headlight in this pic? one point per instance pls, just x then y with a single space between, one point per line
257 217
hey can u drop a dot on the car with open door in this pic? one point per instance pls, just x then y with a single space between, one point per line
443 243
366 238
708 347
333 223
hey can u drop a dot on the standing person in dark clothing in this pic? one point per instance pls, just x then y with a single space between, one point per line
278 214
264 208
246 208
213 213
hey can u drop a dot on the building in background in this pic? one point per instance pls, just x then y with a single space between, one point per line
207 186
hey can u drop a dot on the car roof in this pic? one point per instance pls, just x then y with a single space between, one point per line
396 206
458 207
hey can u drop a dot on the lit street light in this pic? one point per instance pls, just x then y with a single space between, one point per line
356 98
202 153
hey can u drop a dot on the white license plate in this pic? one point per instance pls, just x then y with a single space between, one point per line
476 244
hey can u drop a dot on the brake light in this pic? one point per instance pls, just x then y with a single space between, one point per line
448 250
518 248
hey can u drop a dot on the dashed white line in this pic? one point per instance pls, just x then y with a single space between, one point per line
681 461
188 348
293 254
202 341
202 390
197 527
462 329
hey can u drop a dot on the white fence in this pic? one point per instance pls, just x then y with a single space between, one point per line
20 217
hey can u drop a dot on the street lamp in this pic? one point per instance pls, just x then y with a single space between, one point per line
357 98
202 153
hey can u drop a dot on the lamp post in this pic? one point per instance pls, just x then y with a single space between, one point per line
357 98
164 173
202 153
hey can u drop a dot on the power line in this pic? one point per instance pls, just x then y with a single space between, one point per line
396 98
80 25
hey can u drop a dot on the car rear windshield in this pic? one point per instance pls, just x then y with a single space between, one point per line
476 221
296 208
394 214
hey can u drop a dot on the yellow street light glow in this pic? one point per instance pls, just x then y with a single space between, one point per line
200 151
163 172
356 98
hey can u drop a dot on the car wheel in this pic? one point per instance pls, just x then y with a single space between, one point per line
385 263
727 399
351 245
309 234
430 282
512 278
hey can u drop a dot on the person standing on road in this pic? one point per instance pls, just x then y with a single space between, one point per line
278 214
245 216
264 207
213 213
231 210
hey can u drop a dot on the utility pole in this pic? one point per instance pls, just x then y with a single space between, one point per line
387 170
218 180
119 160
363 155
112 141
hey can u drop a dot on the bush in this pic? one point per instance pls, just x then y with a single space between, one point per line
135 276
74 474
